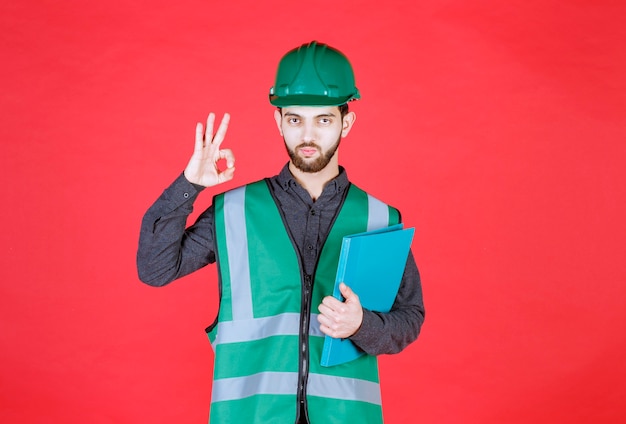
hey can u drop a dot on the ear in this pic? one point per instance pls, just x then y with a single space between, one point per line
348 122
279 120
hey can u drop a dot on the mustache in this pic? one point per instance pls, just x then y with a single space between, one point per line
304 145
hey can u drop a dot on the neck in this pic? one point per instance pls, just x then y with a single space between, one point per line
314 182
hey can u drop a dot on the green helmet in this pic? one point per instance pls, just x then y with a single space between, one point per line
314 75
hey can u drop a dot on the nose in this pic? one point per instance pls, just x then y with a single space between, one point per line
308 132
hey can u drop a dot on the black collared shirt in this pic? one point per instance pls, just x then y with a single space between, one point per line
167 250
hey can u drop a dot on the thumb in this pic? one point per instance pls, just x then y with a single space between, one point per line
347 293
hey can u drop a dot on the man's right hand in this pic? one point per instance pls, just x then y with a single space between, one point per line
202 168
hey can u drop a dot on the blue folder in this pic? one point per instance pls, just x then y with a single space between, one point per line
372 265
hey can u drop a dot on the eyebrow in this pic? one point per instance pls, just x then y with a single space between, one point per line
323 115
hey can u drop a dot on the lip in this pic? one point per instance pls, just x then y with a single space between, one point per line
308 151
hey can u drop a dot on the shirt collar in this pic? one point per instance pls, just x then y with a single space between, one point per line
337 184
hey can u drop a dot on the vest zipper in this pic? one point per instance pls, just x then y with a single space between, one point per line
303 374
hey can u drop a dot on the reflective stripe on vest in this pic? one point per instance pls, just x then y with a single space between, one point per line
259 328
271 383
378 214
238 327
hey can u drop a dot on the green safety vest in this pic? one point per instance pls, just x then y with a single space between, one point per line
256 337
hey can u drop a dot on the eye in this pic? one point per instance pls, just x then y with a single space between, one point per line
293 120
325 121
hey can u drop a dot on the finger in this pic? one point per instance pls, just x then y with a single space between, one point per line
199 138
326 323
326 330
210 121
325 311
335 307
228 156
332 302
226 175
221 131
323 320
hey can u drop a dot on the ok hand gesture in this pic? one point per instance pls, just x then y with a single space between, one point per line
202 168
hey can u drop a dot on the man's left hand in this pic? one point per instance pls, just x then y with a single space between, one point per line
341 319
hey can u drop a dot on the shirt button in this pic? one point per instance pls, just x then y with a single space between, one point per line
313 212
186 195
310 247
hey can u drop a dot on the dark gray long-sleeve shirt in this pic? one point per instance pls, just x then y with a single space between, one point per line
167 250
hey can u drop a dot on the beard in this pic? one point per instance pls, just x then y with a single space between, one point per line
315 165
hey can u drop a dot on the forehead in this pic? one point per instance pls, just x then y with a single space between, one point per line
311 111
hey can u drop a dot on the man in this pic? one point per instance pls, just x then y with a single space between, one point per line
277 243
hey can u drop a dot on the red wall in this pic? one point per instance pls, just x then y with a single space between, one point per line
497 127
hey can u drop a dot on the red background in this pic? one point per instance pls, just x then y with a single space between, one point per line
498 128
